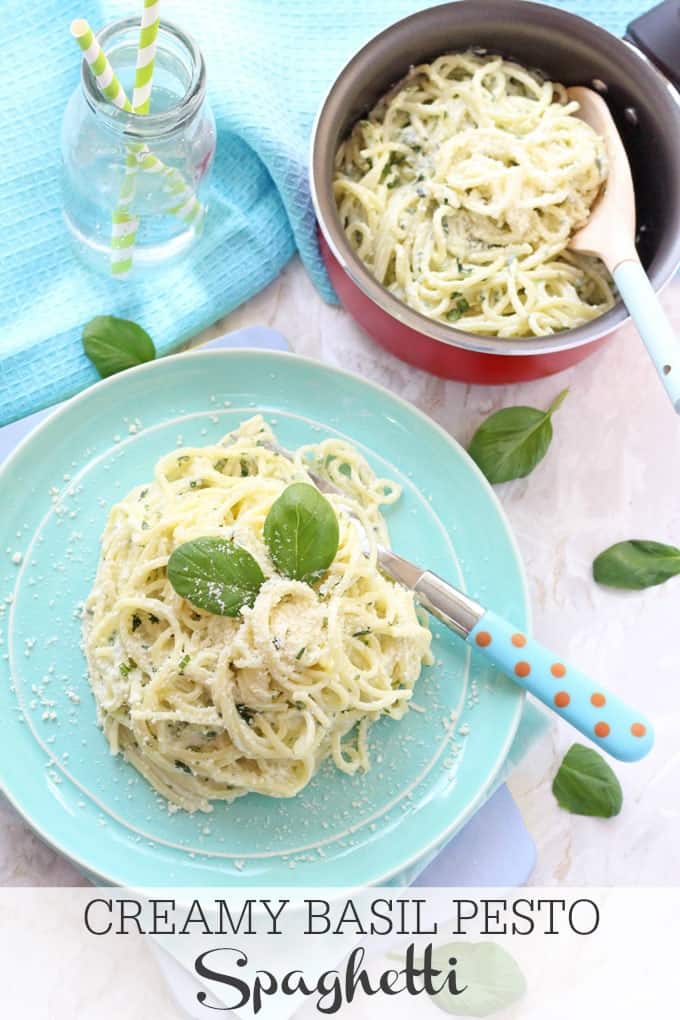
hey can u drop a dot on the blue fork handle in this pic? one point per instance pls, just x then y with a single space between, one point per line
652 324
599 715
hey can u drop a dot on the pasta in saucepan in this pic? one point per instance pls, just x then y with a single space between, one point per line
460 190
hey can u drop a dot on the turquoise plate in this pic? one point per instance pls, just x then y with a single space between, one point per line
430 771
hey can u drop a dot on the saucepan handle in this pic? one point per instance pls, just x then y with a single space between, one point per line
657 34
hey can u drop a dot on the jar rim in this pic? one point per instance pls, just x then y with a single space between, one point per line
151 124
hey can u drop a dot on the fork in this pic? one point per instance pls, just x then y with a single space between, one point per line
595 712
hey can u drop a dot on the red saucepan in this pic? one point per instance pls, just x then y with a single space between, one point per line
569 49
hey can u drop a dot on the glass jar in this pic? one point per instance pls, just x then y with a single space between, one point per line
141 179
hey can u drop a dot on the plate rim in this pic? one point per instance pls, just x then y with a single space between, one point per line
425 853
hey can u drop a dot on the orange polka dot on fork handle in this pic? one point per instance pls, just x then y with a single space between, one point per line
638 730
518 640
598 700
558 670
483 639
602 729
522 669
562 699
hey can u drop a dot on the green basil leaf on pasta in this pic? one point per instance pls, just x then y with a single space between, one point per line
636 564
512 441
113 344
216 575
301 532
586 785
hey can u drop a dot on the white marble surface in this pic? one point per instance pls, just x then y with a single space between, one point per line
613 472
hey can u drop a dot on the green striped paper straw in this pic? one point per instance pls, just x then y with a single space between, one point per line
187 207
123 225
112 88
139 156
99 64
146 56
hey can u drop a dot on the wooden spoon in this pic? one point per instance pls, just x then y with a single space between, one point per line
610 234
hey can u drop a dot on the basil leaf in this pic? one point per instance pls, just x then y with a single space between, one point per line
215 575
636 564
512 441
113 345
489 975
301 532
586 785
245 712
462 306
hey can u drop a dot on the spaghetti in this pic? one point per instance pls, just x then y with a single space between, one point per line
212 707
460 191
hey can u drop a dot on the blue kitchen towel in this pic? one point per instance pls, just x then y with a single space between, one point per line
269 64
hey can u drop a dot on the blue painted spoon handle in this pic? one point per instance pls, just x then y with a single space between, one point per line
652 324
599 715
